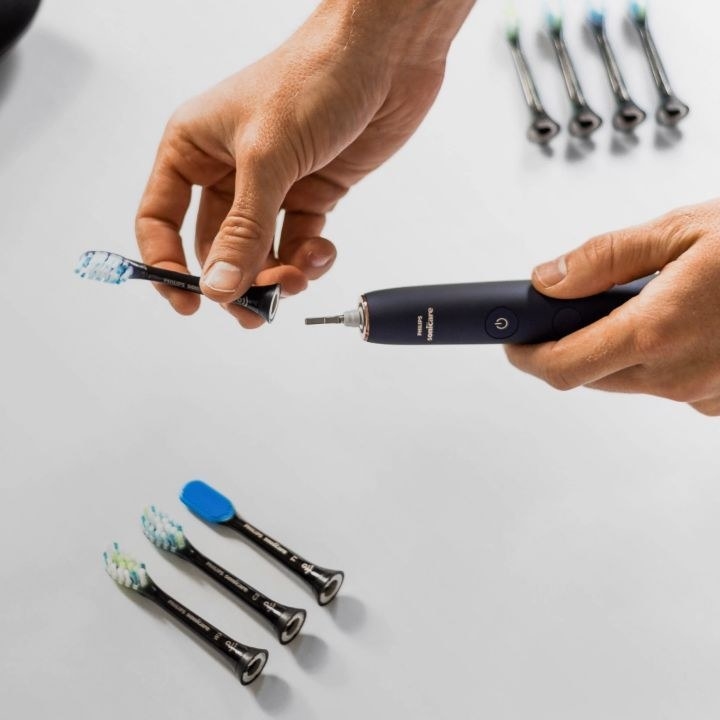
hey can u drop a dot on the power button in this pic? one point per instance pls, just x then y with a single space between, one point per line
501 323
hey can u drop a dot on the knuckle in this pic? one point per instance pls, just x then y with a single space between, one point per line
707 410
650 342
240 227
557 378
602 251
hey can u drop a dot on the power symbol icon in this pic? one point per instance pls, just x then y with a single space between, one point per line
501 323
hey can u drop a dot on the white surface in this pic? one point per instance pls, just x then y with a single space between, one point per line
511 551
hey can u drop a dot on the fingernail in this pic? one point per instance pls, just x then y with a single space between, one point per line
317 260
223 277
551 273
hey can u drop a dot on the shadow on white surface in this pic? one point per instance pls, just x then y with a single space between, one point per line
666 138
8 71
623 143
272 693
349 613
311 652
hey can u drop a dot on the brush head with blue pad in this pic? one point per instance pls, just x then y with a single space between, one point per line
206 502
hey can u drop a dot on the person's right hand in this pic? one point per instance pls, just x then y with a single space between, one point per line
293 131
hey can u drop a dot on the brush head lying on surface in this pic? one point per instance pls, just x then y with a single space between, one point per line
163 531
104 266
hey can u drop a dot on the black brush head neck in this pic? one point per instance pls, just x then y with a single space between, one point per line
15 16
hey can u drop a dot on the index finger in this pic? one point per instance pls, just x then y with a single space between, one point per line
588 355
157 227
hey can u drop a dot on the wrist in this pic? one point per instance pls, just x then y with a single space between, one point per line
408 31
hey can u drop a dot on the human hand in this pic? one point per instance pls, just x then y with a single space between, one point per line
665 341
293 131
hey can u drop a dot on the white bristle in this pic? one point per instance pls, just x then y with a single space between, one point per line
124 569
161 530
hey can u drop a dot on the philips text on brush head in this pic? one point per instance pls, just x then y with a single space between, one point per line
628 115
542 128
671 109
248 662
585 121
510 311
115 269
168 535
213 507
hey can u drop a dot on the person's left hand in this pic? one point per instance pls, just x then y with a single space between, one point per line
665 341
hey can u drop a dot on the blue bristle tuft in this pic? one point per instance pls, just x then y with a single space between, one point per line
554 20
596 17
206 502
104 266
638 11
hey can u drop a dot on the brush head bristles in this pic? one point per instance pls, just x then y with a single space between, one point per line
162 530
125 570
554 18
596 16
512 26
638 12
104 266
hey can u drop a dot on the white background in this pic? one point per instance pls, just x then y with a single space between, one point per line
511 551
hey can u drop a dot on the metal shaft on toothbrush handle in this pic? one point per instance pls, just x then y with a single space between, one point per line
481 313
585 120
629 114
572 84
671 110
286 621
324 583
617 83
247 662
656 66
543 128
532 98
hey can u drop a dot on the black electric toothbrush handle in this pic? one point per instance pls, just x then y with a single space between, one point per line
286 621
247 662
324 583
482 313
260 299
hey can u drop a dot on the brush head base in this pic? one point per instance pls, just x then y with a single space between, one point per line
671 111
628 116
250 663
584 122
543 129
290 624
327 584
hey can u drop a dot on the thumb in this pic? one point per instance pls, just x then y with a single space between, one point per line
615 258
241 247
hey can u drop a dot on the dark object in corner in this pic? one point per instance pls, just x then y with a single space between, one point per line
15 16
